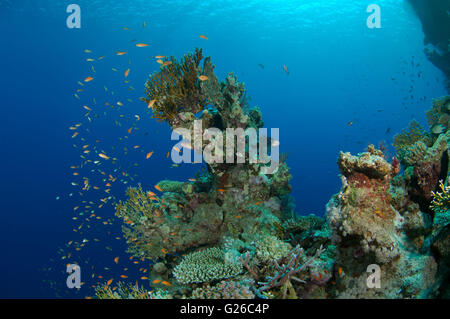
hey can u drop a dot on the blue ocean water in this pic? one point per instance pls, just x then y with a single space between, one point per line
340 71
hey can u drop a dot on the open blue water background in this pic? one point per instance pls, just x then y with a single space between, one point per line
340 71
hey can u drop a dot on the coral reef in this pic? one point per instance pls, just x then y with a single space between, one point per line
226 289
232 232
396 221
121 291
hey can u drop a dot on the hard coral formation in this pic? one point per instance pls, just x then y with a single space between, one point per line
386 219
206 265
367 229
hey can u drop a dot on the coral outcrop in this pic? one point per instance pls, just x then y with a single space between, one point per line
232 232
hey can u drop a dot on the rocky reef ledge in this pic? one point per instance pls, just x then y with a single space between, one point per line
435 18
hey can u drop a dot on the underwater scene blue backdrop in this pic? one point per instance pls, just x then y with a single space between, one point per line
347 86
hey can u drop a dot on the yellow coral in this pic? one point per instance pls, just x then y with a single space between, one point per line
441 200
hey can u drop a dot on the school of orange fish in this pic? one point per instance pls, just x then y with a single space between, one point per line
99 170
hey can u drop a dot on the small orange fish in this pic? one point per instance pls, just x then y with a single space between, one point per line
340 271
108 282
121 52
150 104
158 188
164 251
156 281
88 79
141 45
149 154
159 57
127 72
144 278
167 154
379 213
116 260
221 190
103 156
203 37
285 68
203 78
168 284
123 276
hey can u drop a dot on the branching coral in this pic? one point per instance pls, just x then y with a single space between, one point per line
441 200
176 87
287 272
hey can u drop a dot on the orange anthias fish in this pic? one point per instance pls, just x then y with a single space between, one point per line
127 72
116 260
109 282
103 156
88 79
121 52
149 155
285 68
158 188
203 37
141 45
203 78
150 104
